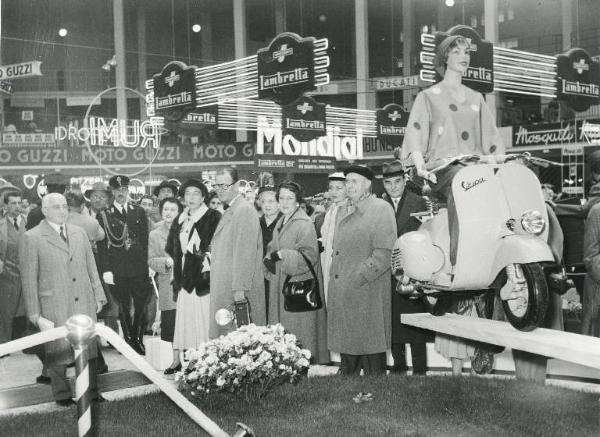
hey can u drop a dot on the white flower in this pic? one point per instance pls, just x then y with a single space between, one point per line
220 382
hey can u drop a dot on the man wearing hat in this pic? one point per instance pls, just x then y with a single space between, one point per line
404 203
123 259
165 189
359 325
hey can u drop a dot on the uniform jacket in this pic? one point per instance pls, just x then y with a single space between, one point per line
59 280
189 275
237 263
409 203
118 260
359 316
157 258
298 235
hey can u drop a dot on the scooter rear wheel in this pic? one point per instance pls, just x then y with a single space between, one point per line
526 316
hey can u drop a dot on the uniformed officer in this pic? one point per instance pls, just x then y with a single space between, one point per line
123 257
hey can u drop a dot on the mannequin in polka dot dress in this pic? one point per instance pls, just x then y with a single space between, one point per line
450 119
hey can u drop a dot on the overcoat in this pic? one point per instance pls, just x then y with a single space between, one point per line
408 204
236 264
298 235
590 322
59 281
157 260
360 281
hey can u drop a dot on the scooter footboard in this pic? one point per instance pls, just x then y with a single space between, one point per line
519 249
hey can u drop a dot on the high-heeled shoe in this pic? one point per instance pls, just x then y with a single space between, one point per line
171 370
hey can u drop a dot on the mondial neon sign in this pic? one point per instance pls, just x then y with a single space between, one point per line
333 145
114 132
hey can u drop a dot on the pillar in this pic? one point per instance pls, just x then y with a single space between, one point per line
240 40
119 36
141 44
365 96
490 20
408 45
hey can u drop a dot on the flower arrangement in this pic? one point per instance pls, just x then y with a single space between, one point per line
573 309
249 361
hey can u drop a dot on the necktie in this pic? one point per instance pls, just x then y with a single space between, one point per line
63 235
16 224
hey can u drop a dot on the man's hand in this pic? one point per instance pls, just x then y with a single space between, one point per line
431 177
99 306
169 263
107 277
239 295
44 324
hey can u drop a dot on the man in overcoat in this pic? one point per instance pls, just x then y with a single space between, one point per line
60 280
236 255
123 257
359 324
404 203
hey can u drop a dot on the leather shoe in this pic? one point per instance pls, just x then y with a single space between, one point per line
99 399
65 402
171 370
43 379
135 345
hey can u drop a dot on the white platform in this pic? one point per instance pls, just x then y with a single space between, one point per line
565 346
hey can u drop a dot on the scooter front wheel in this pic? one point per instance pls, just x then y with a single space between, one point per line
526 309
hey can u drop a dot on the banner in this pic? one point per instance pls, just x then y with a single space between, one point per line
19 71
578 79
391 124
166 154
546 134
286 68
304 119
174 90
296 164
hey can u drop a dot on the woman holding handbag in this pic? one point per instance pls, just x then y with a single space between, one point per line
160 262
188 244
292 257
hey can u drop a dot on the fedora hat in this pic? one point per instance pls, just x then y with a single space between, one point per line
98 186
392 169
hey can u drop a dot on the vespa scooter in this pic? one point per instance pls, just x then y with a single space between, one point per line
501 247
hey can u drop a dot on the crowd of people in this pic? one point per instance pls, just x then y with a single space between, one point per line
201 250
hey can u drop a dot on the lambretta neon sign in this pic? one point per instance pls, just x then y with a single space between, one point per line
332 144
114 132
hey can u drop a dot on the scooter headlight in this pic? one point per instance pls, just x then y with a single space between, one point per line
533 222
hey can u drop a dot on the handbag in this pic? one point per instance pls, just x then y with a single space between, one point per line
301 296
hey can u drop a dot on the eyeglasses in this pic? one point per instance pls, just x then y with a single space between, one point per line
221 186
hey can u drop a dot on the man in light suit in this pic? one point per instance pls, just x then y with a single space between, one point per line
60 280
236 255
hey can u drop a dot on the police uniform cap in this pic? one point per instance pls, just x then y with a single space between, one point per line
118 181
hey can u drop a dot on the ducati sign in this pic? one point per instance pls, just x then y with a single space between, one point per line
286 68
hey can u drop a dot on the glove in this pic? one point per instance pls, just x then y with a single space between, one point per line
275 256
270 265
320 246
107 277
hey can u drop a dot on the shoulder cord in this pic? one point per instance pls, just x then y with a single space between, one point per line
111 237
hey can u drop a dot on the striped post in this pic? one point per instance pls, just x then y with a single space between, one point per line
80 333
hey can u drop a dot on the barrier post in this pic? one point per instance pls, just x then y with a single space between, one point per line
80 332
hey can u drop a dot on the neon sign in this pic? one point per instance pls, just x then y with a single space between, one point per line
114 132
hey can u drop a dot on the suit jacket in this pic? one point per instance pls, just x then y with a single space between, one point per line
112 253
59 280
409 203
237 263
4 222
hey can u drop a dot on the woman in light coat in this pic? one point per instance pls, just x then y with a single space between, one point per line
161 263
295 233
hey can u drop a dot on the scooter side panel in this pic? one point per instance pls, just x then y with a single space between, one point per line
522 188
482 213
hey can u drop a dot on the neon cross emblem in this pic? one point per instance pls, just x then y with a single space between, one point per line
282 53
394 116
581 66
472 45
172 78
304 108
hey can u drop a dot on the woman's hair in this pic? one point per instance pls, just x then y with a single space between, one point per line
445 47
170 200
211 196
294 187
147 196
